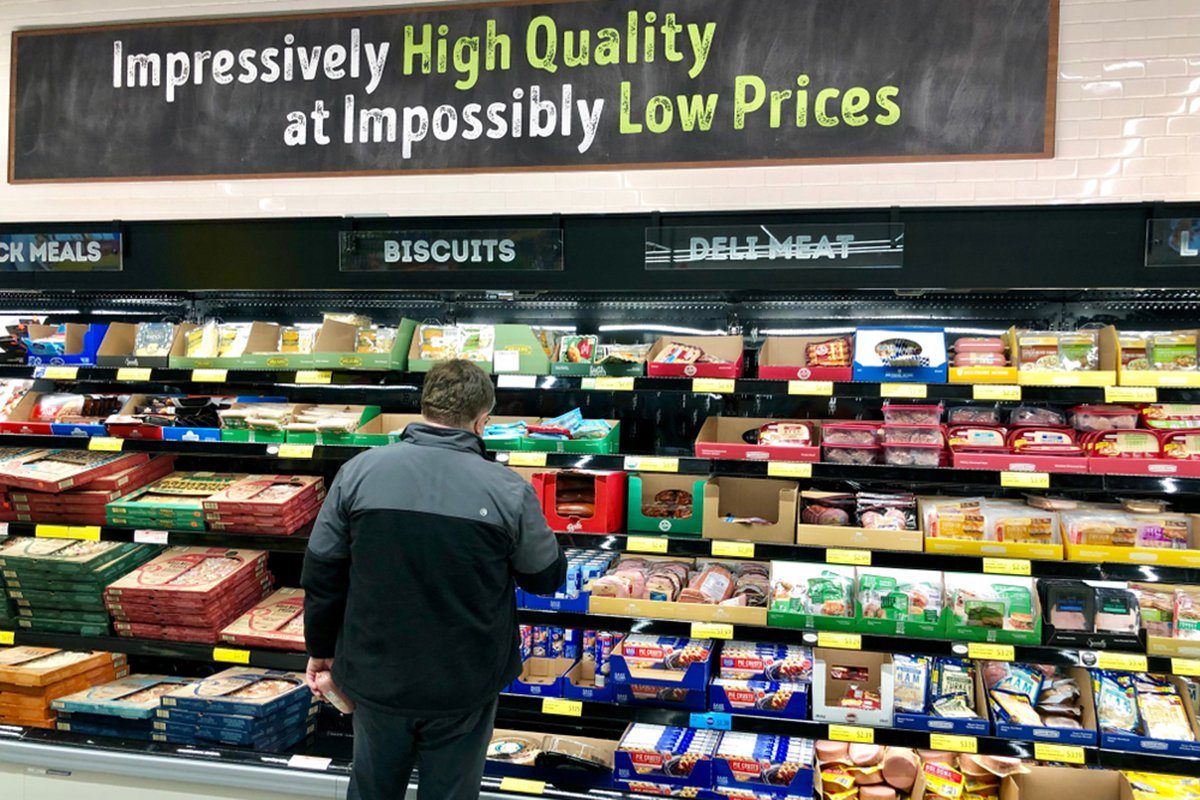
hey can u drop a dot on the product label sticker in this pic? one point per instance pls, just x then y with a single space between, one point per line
1063 753
712 630
230 655
839 641
789 469
811 388
134 374
733 549
1007 566
293 450
57 373
320 377
855 558
516 381
7 637
995 391
309 762
1185 666
711 720
1121 662
607 384
950 743
107 444
561 707
646 544
52 532
522 785
1025 480
527 459
916 391
852 733
151 537
987 651
506 361
651 464
210 375
89 533
713 385
1130 394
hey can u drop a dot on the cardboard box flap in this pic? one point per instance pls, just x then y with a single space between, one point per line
119 339
750 497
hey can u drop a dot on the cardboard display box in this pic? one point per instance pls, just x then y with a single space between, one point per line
978 633
507 442
691 612
608 514
336 344
116 350
668 688
568 774
516 351
759 698
859 538
872 359
926 506
1164 556
1117 740
828 691
724 437
1021 462
784 358
611 443
261 352
82 342
365 415
1085 736
252 435
1057 783
1104 375
642 490
794 573
18 422
729 348
773 500
990 374
541 677
579 683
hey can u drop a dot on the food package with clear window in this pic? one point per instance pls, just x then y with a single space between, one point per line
955 518
1017 522
855 433
912 454
1035 415
1173 352
1134 351
909 434
1156 607
1102 417
1124 444
977 438
1171 416
827 508
854 454
1180 444
889 512
915 414
972 415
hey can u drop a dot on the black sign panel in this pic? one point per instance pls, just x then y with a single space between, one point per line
1173 242
451 250
779 247
60 252
536 85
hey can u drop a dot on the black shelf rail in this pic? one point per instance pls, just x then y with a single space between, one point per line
228 654
296 543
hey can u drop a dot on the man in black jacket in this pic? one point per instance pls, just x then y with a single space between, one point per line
409 592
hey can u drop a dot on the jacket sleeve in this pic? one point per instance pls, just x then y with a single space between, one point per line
538 563
326 573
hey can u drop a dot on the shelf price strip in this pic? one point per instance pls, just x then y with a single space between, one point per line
57 373
811 388
1185 666
89 533
8 637
712 385
1007 566
1064 753
952 743
839 641
230 655
1121 662
712 630
561 707
527 459
789 469
607 384
852 733
722 549
915 391
1025 480
712 720
107 444
994 391
320 377
854 558
522 785
651 464
134 374
293 450
1130 394
210 375
646 544
986 651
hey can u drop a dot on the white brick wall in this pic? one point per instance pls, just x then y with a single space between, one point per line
1128 130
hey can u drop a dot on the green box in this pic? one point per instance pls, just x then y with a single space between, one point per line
652 485
976 633
894 627
262 352
507 442
335 348
335 438
533 358
617 370
253 437
606 446
791 619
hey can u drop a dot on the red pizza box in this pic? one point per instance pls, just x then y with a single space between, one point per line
310 507
168 603
190 572
233 604
136 477
142 630
265 494
290 521
785 358
275 622
608 507
58 470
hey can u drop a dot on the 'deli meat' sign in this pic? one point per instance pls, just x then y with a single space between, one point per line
590 83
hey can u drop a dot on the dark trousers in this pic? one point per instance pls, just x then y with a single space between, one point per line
448 752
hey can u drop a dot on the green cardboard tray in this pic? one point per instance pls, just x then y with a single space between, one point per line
258 437
974 633
316 437
790 619
639 522
533 359
396 359
598 370
606 446
892 627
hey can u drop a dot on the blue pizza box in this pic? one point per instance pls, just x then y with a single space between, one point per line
926 722
663 755
119 698
191 434
759 763
760 698
142 734
542 677
648 661
234 722
240 691
577 605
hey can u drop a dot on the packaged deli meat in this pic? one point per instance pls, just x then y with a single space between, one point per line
1102 417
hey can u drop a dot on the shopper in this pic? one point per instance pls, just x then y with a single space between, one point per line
409 580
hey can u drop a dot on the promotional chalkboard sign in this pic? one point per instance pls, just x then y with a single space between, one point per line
534 85
451 250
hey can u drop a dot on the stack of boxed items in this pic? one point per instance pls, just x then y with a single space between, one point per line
175 502
59 470
126 708
276 622
86 505
58 584
188 594
270 504
763 679
31 678
263 709
870 772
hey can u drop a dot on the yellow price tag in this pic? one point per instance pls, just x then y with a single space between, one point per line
1185 666
231 655
1064 753
789 469
811 388
89 533
1122 662
608 384
950 743
7 637
133 374
852 733
209 375
108 444
321 377
561 707
917 391
855 558
651 464
1130 394
995 391
723 549
1007 566
712 630
527 459
522 785
646 544
713 385
293 450
60 373
839 641
1025 480
987 651
52 532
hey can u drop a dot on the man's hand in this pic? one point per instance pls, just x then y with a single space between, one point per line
316 665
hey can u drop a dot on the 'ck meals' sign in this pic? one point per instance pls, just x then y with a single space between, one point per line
60 252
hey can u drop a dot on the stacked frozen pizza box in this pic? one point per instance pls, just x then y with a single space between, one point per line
277 623
188 594
266 504
126 708
244 706
31 678
86 504
175 502
58 585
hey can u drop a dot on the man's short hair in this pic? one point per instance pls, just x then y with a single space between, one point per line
456 393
